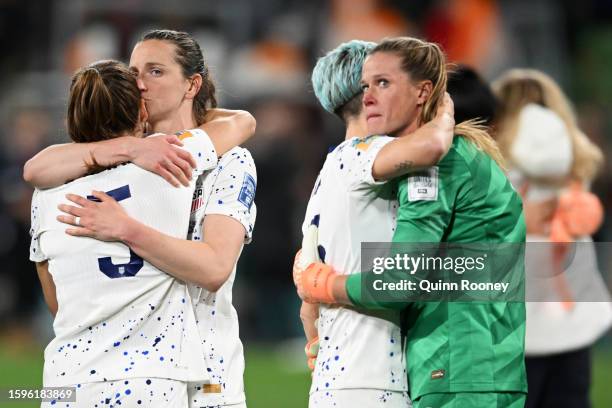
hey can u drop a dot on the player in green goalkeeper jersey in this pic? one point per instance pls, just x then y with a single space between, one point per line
459 354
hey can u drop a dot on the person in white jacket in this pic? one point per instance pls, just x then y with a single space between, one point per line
547 152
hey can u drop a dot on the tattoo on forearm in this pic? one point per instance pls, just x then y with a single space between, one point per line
406 164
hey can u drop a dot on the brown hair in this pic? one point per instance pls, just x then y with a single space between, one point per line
519 87
424 60
104 102
189 57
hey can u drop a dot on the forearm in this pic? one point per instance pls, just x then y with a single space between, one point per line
48 286
69 161
190 261
229 128
354 290
309 313
412 236
421 149
405 155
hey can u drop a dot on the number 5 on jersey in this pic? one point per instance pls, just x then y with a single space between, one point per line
106 264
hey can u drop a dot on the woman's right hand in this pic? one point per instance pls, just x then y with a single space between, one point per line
161 155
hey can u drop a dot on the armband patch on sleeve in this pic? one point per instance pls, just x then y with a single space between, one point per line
423 186
247 191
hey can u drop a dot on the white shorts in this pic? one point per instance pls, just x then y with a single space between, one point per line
358 397
132 393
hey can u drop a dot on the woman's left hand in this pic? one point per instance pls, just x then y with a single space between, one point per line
105 220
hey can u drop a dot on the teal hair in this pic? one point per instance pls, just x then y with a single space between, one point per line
336 78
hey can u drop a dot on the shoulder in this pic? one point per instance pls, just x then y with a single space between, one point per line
462 157
237 156
365 143
235 167
359 149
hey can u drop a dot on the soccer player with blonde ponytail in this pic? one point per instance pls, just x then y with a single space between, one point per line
458 354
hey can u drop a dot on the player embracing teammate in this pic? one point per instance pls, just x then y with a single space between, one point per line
168 69
457 354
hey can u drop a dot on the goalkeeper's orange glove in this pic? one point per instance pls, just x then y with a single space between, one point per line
314 283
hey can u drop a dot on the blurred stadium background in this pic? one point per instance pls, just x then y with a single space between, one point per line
261 53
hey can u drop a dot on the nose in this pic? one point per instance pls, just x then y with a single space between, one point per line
368 98
141 85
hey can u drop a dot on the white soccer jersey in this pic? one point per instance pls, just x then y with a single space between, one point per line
229 190
358 349
119 317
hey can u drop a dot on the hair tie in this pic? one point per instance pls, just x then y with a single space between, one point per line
93 69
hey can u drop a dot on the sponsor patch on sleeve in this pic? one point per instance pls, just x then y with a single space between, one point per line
247 191
184 134
423 186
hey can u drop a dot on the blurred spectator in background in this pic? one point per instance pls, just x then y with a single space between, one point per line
28 132
369 20
539 136
471 95
289 151
468 30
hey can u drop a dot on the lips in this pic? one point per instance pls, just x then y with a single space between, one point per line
373 116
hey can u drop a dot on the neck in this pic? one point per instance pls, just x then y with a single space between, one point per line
356 127
137 132
181 121
409 129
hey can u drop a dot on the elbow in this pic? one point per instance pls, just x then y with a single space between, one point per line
249 122
33 176
214 279
213 285
28 172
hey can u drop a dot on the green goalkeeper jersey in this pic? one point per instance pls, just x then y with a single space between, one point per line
459 346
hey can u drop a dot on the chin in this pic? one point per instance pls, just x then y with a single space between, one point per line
376 128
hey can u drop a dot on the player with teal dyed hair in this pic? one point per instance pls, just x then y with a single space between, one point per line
459 354
360 360
336 79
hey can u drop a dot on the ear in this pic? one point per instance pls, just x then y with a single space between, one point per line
195 83
425 88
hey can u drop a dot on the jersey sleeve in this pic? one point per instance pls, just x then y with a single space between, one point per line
233 194
198 143
359 156
36 253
